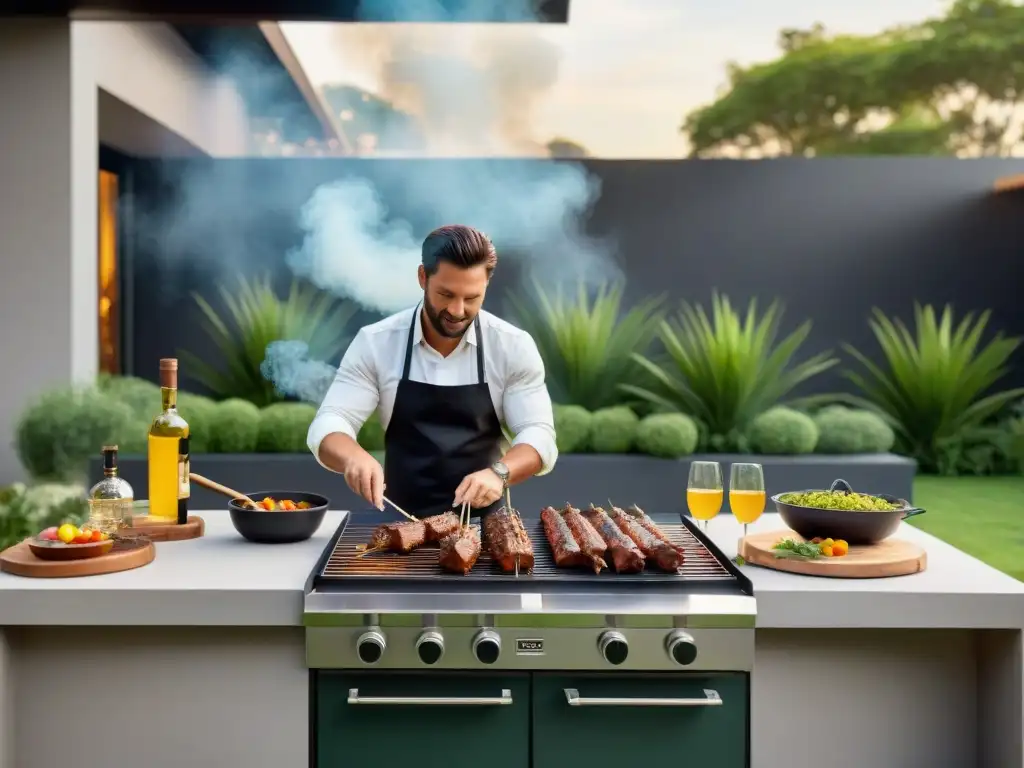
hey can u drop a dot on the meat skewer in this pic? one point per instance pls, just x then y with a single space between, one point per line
564 549
508 541
626 556
402 538
584 534
460 550
665 556
652 527
440 526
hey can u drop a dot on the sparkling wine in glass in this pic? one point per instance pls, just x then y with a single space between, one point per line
746 493
704 491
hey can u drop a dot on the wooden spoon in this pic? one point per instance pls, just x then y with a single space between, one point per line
205 482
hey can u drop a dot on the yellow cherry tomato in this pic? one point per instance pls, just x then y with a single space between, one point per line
67 533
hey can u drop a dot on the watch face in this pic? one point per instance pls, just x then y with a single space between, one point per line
501 469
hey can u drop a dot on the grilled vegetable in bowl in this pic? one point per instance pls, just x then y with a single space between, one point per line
281 505
280 517
840 513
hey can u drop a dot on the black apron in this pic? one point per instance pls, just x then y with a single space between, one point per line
437 435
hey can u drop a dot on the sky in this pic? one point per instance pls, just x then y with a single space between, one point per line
628 70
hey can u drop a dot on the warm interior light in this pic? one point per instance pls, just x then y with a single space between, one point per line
109 305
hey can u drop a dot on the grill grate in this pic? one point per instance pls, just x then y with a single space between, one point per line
700 564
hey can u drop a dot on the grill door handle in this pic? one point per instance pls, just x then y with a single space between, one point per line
573 698
432 701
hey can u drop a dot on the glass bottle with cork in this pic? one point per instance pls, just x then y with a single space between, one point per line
168 453
111 499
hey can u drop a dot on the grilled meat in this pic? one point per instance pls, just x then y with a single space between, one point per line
399 537
459 551
664 556
641 517
508 541
583 532
440 526
626 557
564 549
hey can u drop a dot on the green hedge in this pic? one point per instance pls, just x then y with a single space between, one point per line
58 433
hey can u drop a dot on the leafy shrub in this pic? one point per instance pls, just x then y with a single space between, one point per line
371 436
57 434
726 370
588 345
845 430
283 427
667 435
931 387
783 431
27 510
256 317
142 396
572 428
613 430
234 427
198 412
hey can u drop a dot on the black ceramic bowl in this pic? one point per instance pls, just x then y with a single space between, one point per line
283 526
854 527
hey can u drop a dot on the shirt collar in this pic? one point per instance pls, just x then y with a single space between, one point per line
417 335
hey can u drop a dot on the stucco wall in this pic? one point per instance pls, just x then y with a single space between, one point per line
51 73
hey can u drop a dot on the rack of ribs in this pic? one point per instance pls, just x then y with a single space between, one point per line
583 532
664 556
402 537
626 556
508 541
440 526
566 551
460 550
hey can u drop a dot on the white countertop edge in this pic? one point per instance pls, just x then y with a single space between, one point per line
245 590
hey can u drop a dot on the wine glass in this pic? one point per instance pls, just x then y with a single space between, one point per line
746 493
704 492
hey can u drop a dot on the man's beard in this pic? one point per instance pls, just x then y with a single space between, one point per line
437 321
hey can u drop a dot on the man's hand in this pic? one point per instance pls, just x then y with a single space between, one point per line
479 489
365 476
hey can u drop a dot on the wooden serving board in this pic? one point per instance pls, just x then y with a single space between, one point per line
20 561
158 530
892 557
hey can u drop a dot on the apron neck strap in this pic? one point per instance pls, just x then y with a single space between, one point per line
412 334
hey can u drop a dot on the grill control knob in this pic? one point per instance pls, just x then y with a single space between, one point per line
487 646
430 646
681 648
613 647
371 646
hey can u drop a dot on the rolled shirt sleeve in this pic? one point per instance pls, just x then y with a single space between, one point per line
351 399
527 405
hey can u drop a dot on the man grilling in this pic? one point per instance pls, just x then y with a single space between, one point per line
444 375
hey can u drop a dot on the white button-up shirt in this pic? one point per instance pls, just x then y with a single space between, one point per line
369 373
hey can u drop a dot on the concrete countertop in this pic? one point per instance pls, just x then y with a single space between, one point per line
222 580
955 591
219 579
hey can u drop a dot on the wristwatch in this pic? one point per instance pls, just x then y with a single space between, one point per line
501 471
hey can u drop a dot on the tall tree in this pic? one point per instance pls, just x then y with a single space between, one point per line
952 85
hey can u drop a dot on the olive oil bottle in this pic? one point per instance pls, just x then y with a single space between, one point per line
168 466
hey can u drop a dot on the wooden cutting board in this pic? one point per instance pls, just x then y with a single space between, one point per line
892 557
20 561
161 531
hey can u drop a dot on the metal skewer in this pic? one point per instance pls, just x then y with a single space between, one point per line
400 510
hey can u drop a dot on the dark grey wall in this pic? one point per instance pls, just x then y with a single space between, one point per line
830 237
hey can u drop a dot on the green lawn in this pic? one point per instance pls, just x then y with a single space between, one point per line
983 516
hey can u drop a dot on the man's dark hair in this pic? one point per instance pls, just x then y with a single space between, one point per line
459 245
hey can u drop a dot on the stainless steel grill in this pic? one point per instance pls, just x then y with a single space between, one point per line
343 563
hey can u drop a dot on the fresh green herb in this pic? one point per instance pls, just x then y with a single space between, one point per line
797 549
738 560
839 500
